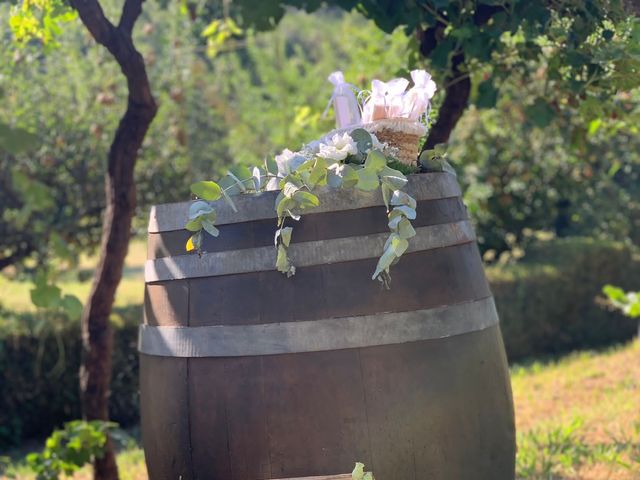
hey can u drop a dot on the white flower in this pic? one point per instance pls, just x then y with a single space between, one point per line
338 147
376 144
288 162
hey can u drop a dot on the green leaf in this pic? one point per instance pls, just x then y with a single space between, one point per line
348 175
72 306
199 209
305 199
487 95
400 198
284 234
363 139
384 262
229 186
367 179
290 189
375 161
194 225
393 178
283 205
318 174
282 262
210 228
399 245
206 190
45 296
407 211
541 114
358 472
16 140
405 229
386 194
242 176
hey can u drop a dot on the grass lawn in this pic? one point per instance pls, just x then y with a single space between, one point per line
578 418
16 296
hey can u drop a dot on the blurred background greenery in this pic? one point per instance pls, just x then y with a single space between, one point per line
555 196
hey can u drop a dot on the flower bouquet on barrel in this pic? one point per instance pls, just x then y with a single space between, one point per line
375 143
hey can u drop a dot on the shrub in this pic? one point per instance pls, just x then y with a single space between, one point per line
39 373
548 301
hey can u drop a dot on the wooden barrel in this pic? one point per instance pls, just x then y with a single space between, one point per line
249 375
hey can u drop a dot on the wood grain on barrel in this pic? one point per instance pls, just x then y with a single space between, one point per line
318 226
434 409
427 279
305 254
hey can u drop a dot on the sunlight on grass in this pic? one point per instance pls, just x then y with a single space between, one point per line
16 297
579 417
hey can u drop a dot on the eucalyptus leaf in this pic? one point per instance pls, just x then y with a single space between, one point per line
284 234
386 194
318 174
367 179
199 208
305 199
333 179
363 139
399 245
402 198
206 190
385 261
393 178
210 228
229 186
405 229
290 189
349 176
375 161
194 225
407 211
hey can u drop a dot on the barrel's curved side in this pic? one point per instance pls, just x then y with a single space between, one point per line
432 407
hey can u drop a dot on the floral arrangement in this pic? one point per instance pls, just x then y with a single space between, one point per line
351 157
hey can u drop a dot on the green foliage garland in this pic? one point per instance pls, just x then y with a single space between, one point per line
348 160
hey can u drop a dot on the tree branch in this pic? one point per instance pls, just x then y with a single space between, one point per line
455 103
131 10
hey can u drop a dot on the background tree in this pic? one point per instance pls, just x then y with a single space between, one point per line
120 193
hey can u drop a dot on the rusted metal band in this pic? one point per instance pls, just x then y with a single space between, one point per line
318 335
302 254
174 216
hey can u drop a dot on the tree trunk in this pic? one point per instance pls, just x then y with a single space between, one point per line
455 103
97 339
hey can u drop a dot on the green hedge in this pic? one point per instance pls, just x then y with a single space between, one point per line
551 302
547 304
39 386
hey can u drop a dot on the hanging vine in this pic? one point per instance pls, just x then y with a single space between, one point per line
354 160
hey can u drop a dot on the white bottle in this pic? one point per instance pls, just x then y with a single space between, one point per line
344 100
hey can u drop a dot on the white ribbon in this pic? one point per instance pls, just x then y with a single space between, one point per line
416 100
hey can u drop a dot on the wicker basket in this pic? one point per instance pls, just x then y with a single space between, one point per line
401 134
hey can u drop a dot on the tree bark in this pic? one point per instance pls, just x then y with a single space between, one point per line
97 338
455 103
